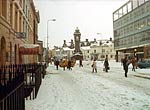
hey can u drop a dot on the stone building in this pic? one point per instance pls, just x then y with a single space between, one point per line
18 28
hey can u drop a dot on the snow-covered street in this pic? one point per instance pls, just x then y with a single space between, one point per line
80 89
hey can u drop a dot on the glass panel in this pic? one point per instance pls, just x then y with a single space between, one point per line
124 10
129 7
135 3
141 2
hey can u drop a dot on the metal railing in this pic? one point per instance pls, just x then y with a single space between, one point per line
11 88
18 82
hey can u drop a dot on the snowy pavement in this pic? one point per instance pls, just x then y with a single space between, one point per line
80 89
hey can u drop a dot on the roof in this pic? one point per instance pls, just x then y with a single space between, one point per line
66 48
85 48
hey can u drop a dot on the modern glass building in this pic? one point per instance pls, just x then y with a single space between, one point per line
131 26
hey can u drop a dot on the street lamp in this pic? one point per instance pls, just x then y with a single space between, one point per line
47 29
101 44
48 37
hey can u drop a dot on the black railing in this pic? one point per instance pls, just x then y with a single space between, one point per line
18 82
12 88
33 79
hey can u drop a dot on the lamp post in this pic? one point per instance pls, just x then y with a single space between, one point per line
47 54
101 43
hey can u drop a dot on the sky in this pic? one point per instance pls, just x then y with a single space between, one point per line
90 16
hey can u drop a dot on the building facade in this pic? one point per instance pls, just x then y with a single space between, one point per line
101 48
131 26
97 49
18 25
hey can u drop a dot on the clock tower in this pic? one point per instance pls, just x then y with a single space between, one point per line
77 37
77 52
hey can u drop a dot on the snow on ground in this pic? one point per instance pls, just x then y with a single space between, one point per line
80 89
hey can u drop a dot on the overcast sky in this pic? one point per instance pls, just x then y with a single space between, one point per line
90 16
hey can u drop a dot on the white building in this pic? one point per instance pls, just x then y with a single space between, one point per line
101 48
86 52
93 49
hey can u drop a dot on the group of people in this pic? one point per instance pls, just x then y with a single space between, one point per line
70 63
125 61
106 65
64 63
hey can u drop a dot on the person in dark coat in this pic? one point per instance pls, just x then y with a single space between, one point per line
57 63
126 63
80 63
106 64
69 65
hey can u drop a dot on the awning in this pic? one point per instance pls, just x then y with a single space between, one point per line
29 49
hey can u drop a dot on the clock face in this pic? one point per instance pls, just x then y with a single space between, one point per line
77 38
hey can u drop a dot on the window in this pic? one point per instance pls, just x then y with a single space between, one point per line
21 3
11 13
131 28
4 8
94 51
111 56
135 4
148 21
103 50
147 7
141 2
131 16
129 7
16 18
20 23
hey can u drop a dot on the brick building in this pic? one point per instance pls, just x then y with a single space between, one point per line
18 27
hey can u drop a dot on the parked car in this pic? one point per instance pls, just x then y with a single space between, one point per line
144 64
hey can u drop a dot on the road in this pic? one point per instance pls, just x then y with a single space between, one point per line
80 89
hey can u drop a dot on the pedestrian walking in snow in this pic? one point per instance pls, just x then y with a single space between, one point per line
133 62
126 63
94 66
69 65
106 64
80 63
57 63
